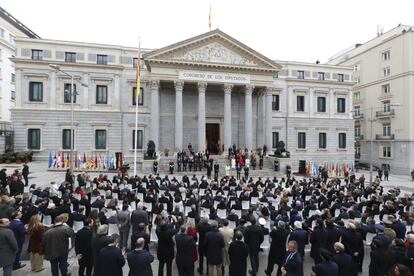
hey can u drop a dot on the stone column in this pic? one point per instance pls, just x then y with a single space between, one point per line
268 119
52 89
116 93
227 115
155 113
248 124
201 116
179 115
312 102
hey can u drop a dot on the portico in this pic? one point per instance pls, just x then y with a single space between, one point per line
210 77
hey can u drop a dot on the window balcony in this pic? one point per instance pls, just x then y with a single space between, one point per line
384 137
385 114
359 116
359 137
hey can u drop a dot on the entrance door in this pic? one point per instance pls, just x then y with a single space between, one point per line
213 136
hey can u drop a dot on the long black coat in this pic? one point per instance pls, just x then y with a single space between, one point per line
203 228
139 262
214 244
345 264
301 237
185 245
238 253
137 217
83 243
318 241
165 249
111 260
254 237
381 262
98 242
278 245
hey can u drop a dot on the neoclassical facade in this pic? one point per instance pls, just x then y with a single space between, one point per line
211 91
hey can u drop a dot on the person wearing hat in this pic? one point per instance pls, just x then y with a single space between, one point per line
386 241
111 258
277 249
254 237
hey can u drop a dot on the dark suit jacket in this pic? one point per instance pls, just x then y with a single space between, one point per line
213 245
254 237
301 237
18 230
83 243
185 245
8 247
111 260
294 266
165 249
345 264
238 252
278 245
139 262
137 217
327 268
136 235
98 242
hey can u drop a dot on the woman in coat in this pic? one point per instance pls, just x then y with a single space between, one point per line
277 249
165 250
192 231
35 248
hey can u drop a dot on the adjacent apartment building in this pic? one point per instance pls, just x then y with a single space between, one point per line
210 90
383 98
10 28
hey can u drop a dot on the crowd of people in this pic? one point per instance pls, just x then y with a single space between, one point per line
217 226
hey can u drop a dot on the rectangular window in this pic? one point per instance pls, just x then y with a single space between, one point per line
340 77
13 95
321 76
385 88
37 54
1 32
66 139
101 94
35 91
321 104
357 110
322 140
300 103
386 55
386 72
13 77
357 67
139 140
11 39
100 139
275 102
67 91
301 75
102 59
134 96
341 105
386 129
33 139
134 62
386 151
301 140
357 96
70 57
386 106
275 139
342 140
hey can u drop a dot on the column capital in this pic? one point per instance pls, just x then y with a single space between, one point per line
269 90
155 84
249 89
178 84
202 86
228 87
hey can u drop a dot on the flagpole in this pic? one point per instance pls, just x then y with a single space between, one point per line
137 95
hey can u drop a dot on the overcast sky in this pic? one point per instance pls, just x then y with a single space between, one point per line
301 30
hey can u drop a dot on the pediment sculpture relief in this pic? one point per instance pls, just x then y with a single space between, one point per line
214 53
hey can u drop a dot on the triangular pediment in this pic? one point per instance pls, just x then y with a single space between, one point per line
214 48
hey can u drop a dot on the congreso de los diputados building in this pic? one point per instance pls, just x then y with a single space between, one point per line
211 90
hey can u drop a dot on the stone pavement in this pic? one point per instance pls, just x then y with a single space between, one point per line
42 177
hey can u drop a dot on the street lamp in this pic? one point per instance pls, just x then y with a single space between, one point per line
371 120
72 94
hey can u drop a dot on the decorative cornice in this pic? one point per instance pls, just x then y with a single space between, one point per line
227 88
178 84
249 89
202 87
